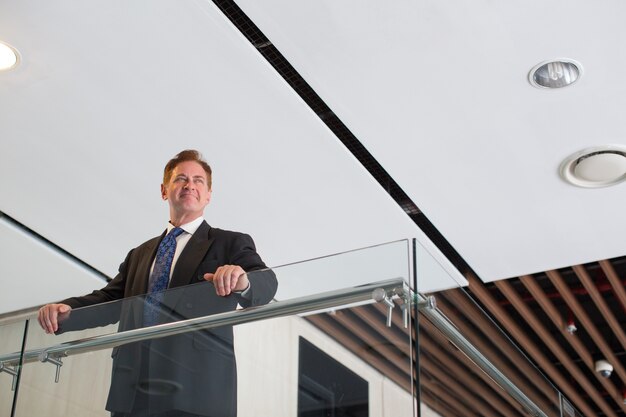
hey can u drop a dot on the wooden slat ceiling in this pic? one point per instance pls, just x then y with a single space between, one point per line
533 312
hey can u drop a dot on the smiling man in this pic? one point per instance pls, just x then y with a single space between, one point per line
191 374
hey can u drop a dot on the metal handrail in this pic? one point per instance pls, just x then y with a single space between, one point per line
427 306
379 291
277 309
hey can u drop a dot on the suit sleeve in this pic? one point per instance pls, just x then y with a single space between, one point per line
263 282
106 307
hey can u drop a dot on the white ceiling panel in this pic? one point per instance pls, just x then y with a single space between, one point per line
107 92
438 92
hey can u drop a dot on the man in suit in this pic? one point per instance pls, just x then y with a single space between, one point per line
186 375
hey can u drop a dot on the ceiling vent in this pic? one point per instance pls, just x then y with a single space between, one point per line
595 167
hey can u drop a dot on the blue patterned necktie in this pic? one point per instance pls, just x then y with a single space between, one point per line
160 276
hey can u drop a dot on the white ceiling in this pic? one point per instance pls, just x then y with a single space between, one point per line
438 93
108 91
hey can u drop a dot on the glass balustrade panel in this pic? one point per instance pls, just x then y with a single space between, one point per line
11 340
307 338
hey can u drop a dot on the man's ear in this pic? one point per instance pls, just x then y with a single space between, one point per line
163 192
208 198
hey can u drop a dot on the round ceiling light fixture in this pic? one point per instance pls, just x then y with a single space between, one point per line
9 58
556 73
595 167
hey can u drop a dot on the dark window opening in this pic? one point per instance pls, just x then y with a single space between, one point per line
327 388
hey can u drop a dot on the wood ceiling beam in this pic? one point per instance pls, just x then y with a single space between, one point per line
557 319
478 317
341 335
460 366
499 313
520 376
432 333
584 319
443 407
616 282
469 394
445 394
546 337
601 304
371 341
377 321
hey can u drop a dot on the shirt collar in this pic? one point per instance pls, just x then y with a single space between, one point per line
190 227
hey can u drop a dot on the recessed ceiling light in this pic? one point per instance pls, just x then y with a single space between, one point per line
8 57
595 167
555 74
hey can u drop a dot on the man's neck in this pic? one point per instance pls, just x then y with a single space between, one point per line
179 220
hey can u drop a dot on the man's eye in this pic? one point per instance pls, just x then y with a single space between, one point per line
199 180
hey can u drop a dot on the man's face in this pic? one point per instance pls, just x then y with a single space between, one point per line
187 190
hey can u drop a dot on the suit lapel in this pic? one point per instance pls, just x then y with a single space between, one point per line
191 257
187 263
140 285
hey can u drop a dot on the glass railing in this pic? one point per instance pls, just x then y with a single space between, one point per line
337 339
332 342
470 366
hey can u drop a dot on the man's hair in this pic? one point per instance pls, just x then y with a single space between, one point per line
184 156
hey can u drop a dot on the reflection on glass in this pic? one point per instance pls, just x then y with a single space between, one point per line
110 362
365 351
162 374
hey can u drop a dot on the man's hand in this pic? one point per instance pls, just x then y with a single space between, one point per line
51 315
228 278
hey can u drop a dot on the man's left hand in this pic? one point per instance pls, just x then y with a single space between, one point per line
228 278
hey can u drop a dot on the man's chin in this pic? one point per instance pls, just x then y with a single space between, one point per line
189 203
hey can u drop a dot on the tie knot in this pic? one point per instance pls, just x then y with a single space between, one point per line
175 232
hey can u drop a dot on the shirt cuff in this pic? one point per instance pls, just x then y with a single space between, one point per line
245 293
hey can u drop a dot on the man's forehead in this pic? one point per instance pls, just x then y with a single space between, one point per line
189 168
195 175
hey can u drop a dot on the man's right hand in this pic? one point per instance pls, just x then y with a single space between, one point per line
51 315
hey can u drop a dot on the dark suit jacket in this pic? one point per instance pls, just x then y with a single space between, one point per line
193 372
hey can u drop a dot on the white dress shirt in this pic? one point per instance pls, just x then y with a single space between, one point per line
181 241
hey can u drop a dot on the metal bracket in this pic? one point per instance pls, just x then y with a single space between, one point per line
386 297
381 296
404 307
45 357
428 302
405 295
11 371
